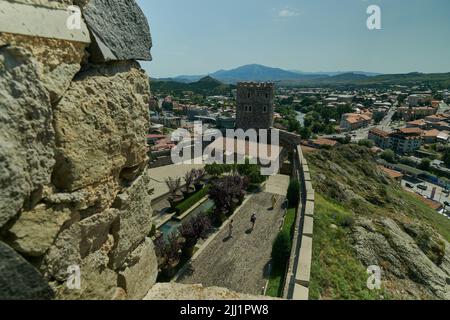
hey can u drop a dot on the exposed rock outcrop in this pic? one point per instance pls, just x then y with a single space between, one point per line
382 242
384 226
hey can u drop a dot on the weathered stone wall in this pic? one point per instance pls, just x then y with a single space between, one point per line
73 162
254 105
299 269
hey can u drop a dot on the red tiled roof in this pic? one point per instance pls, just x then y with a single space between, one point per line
411 130
431 133
324 142
379 132
391 173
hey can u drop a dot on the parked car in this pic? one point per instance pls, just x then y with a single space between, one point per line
409 185
422 187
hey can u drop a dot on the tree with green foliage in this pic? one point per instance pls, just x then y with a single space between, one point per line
378 117
293 125
214 169
293 194
305 133
388 155
281 250
446 157
425 165
251 171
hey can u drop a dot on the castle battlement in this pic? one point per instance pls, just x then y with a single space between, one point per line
256 85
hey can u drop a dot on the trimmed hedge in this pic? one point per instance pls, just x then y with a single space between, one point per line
186 204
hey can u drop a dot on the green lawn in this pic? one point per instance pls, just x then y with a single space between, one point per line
277 274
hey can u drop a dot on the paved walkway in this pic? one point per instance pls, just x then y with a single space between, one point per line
159 175
278 184
240 263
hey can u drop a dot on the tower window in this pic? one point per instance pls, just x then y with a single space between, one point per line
265 109
267 96
249 95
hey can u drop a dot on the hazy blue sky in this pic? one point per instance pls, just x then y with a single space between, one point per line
203 36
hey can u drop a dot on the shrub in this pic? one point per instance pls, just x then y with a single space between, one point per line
194 229
366 143
252 172
189 178
293 193
168 252
346 221
281 250
226 193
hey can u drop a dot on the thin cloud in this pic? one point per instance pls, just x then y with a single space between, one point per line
287 13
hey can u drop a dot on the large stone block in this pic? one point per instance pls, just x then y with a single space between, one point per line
26 133
303 274
34 231
77 243
308 226
139 271
120 30
57 49
309 209
135 218
101 124
19 280
97 281
89 200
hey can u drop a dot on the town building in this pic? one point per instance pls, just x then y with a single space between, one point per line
409 114
405 140
421 123
354 121
402 141
430 136
416 100
380 138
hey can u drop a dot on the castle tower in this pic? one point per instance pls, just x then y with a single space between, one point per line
255 105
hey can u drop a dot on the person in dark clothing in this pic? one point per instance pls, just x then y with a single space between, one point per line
253 220
230 229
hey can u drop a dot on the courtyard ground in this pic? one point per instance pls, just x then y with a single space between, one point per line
241 263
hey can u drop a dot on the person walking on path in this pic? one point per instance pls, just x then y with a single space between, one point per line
230 229
253 220
274 202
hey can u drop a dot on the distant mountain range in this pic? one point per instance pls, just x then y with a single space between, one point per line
222 80
256 72
205 86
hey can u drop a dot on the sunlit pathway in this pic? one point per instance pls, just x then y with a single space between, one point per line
240 263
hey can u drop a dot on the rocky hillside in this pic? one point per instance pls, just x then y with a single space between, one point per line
364 218
73 179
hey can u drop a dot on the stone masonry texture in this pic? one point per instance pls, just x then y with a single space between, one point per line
74 184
